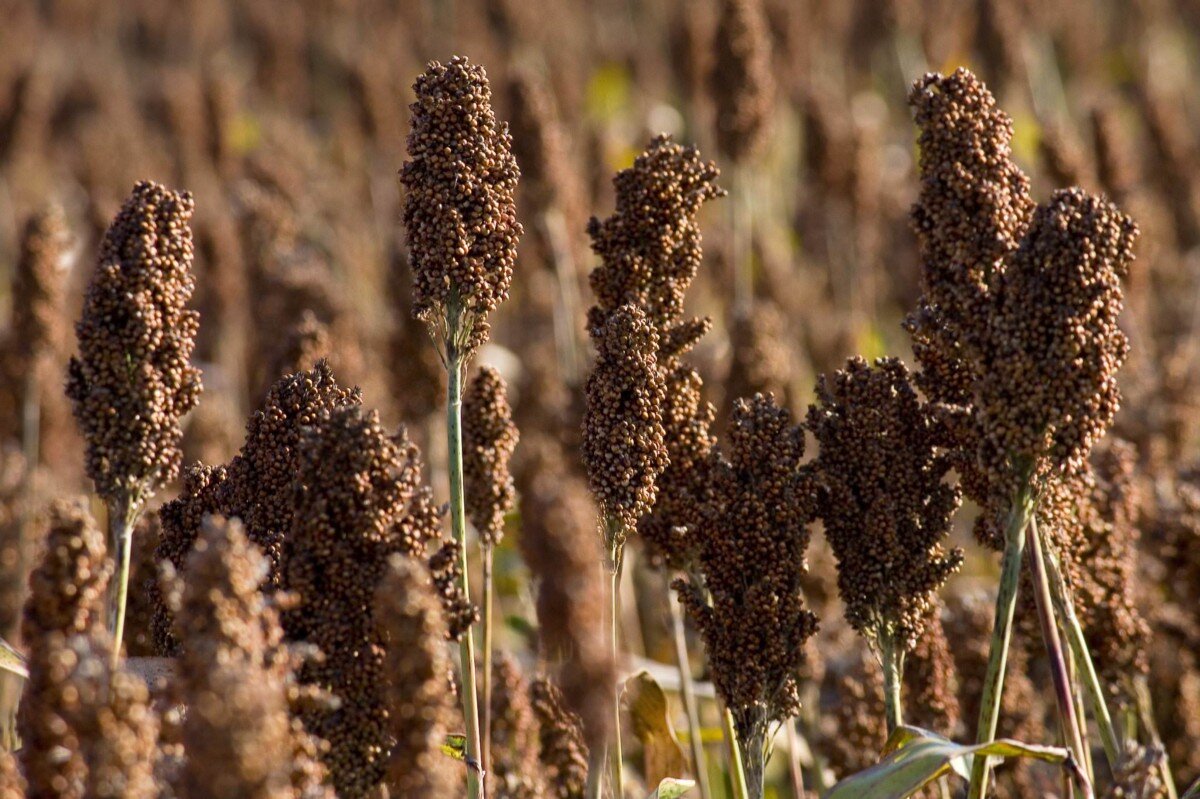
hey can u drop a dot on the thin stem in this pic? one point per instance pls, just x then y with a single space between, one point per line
615 757
794 765
1063 693
754 760
1065 608
122 513
1145 711
488 601
688 689
893 671
466 645
737 766
1006 601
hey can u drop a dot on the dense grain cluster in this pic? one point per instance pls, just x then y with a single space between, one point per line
489 439
516 767
883 497
357 498
623 436
741 82
459 210
560 742
420 709
754 632
38 286
132 381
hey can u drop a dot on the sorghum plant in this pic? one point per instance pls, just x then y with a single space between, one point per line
133 381
461 219
886 507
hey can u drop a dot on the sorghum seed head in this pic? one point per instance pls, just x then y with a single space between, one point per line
489 439
133 381
741 81
516 769
420 709
623 436
38 283
459 210
883 497
757 523
561 748
67 589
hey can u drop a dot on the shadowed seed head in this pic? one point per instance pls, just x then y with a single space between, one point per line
489 438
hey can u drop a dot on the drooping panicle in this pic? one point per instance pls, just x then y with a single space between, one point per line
420 709
754 631
236 678
132 380
741 82
459 210
623 436
357 498
489 439
883 497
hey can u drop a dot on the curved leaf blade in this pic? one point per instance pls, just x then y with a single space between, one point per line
671 788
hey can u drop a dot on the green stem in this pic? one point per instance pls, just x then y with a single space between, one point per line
1065 608
1063 693
737 766
1145 711
1006 601
893 670
122 513
458 523
615 756
795 767
488 602
688 690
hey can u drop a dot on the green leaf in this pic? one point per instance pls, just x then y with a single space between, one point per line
652 725
672 789
708 735
455 745
913 758
1193 792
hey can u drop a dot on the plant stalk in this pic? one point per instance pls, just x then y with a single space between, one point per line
1020 513
466 646
737 766
795 767
615 756
893 672
122 513
1145 711
688 690
1063 693
488 603
1065 608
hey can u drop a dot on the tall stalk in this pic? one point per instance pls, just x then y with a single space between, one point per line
1063 693
488 602
1019 515
122 514
615 755
688 689
458 524
737 764
795 767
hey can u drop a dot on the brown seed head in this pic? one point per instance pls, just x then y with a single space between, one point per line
38 283
489 439
883 497
741 82
357 498
516 769
623 436
132 381
754 631
67 589
459 210
420 709
562 750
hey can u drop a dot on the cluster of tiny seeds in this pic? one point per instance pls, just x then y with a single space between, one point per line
304 343
1047 390
741 82
418 379
235 677
931 681
132 381
759 362
1106 589
559 542
859 728
38 283
489 439
883 497
516 769
256 485
420 709
66 599
561 749
649 247
459 210
754 631
357 498
624 446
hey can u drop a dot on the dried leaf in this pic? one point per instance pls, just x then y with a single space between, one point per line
652 725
